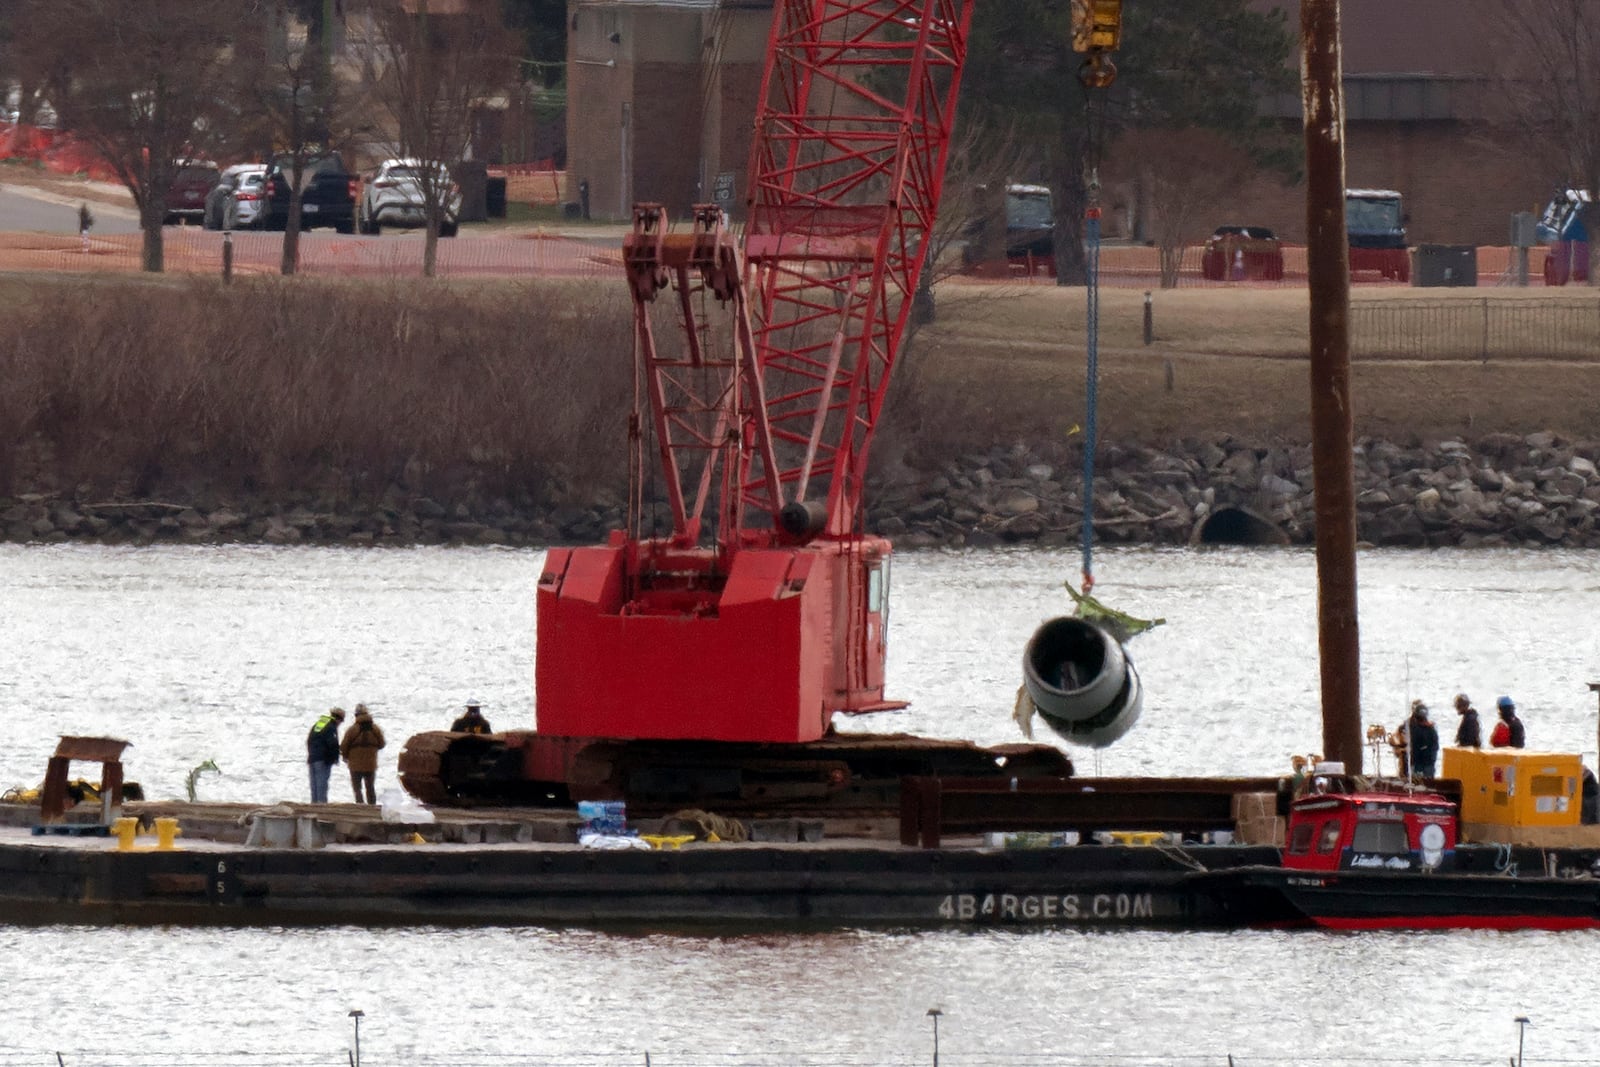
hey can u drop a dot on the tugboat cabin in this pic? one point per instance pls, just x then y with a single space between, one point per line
1371 831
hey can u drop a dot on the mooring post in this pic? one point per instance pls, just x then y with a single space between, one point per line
1332 425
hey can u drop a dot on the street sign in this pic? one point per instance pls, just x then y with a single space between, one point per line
722 187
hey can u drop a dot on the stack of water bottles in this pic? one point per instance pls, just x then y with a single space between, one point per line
608 818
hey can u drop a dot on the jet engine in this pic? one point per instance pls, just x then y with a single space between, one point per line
1081 682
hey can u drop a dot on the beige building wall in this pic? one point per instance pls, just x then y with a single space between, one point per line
661 99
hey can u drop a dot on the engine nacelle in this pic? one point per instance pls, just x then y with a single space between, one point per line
1081 682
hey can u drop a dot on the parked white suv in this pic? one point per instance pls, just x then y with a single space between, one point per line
393 196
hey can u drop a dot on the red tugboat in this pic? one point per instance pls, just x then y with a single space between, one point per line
1380 856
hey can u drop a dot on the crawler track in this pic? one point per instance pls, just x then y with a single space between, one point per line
854 773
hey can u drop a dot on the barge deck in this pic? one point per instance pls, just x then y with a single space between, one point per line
509 867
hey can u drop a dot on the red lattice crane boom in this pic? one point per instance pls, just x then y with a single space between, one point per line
759 620
847 167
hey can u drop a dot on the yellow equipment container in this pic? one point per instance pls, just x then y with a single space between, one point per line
1515 787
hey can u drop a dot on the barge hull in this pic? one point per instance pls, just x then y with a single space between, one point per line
1084 886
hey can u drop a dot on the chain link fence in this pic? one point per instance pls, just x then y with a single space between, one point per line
1477 328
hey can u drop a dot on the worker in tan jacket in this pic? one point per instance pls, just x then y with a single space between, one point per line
362 740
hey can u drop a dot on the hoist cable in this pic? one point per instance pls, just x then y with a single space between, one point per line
1093 139
1091 385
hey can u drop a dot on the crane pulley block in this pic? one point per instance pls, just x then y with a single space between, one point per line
1096 25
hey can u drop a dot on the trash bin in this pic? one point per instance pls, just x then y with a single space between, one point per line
473 177
494 197
1445 265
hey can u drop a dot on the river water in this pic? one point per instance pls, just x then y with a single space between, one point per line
229 653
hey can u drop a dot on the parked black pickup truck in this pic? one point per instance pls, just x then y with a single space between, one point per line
332 191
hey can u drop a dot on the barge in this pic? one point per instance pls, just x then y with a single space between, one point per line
343 864
1372 861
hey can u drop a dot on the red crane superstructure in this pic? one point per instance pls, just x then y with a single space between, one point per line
709 644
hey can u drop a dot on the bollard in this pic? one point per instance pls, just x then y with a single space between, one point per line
166 834
1149 318
227 256
125 829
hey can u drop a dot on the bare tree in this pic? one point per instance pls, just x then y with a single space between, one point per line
1186 175
291 104
1546 93
429 65
140 82
971 226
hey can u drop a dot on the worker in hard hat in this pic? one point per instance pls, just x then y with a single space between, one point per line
472 721
322 752
1424 741
1508 732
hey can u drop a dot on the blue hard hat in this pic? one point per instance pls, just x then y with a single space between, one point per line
1504 702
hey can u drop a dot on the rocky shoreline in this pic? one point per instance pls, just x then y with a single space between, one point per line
1537 490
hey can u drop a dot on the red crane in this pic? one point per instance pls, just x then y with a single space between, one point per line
705 649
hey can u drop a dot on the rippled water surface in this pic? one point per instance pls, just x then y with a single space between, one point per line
229 653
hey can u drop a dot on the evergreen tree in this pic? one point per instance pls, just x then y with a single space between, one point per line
543 25
1194 63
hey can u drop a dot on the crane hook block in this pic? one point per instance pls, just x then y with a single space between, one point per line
1096 26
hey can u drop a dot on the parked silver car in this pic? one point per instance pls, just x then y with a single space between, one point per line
394 196
238 200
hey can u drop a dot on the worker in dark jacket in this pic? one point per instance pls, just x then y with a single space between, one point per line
360 751
472 721
322 752
1508 732
1424 741
1468 734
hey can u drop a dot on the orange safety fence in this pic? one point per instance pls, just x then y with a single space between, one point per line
190 249
58 152
534 184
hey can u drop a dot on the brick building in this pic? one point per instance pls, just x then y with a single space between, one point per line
662 94
1418 81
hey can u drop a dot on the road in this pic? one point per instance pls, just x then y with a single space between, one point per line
25 209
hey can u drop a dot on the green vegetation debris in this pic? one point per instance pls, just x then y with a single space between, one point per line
190 783
1119 624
